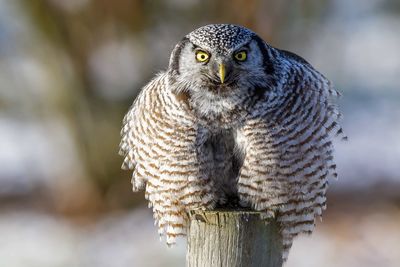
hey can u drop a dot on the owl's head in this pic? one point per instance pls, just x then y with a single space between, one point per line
221 59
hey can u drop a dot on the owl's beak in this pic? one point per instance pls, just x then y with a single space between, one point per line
221 70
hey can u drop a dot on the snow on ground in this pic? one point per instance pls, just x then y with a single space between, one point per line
32 239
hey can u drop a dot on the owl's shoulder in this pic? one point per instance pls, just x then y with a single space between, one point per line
293 57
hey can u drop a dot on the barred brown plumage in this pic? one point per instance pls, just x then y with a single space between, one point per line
261 134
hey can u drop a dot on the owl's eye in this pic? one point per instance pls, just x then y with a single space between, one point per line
202 56
241 56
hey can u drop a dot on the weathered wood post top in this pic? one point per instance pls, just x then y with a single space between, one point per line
232 238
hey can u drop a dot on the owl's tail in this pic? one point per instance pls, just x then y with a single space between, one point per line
171 220
297 221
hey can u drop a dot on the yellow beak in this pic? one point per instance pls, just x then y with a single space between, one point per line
222 72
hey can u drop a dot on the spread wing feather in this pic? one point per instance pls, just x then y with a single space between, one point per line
288 150
162 144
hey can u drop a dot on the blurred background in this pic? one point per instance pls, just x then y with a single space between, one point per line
69 70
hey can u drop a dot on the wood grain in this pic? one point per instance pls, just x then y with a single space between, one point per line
232 239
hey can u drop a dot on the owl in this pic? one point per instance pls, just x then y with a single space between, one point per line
233 121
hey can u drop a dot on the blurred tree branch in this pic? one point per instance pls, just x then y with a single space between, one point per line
77 32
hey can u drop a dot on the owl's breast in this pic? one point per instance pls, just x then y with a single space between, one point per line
227 161
223 111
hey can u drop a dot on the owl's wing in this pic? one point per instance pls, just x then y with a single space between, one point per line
162 144
135 143
288 153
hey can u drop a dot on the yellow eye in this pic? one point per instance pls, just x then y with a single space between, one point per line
241 56
202 56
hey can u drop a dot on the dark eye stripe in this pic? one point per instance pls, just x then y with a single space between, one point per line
176 53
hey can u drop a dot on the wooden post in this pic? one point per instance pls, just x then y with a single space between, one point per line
232 239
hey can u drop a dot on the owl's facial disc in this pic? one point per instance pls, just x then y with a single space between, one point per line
224 66
217 69
220 71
